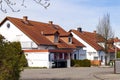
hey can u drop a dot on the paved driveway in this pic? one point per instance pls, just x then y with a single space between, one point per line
87 73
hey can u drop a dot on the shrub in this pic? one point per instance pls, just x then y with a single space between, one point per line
118 54
72 62
86 63
81 63
12 60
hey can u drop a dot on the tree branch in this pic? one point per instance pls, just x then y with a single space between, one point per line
1 7
105 30
10 5
44 3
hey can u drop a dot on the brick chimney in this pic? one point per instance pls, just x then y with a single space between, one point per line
94 31
79 29
25 18
50 22
116 38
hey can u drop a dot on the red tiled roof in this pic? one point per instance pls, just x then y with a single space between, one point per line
118 49
111 50
88 37
37 31
112 46
116 40
77 43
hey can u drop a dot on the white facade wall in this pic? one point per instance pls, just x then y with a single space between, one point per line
37 59
14 34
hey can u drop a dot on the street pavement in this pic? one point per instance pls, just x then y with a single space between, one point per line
107 75
79 73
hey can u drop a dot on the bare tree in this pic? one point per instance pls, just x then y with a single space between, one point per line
11 4
105 30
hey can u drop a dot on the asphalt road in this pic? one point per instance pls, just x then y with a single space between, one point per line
87 73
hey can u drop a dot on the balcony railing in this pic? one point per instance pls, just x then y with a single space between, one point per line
28 45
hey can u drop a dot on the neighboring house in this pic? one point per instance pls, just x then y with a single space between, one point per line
94 51
117 42
44 44
116 45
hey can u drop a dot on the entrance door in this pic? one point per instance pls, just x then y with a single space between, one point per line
75 56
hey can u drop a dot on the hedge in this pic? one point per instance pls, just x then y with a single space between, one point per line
81 63
118 54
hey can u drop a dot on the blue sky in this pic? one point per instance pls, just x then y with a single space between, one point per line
71 14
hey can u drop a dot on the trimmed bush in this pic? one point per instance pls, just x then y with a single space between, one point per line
81 63
118 54
86 63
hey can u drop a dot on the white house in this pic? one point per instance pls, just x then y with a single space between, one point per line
117 42
94 51
117 45
44 44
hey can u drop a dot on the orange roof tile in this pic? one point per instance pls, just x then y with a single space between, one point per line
116 39
37 31
77 43
88 37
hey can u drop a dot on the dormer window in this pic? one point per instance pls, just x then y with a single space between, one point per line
70 39
56 38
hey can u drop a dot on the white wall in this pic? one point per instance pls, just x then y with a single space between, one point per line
37 59
14 34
